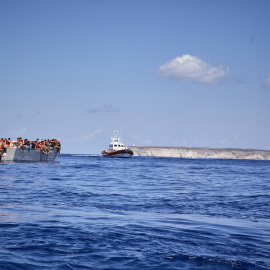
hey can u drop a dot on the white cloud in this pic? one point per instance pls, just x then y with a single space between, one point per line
93 135
191 68
266 83
87 137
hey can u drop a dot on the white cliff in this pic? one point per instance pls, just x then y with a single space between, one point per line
201 152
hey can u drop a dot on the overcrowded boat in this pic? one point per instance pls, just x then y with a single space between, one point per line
117 148
29 151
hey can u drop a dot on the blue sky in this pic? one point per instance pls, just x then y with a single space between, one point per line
164 73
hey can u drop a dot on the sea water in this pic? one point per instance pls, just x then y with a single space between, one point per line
90 212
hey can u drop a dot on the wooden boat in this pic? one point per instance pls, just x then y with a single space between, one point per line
28 155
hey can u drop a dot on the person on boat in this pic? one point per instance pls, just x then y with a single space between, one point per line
6 144
11 143
58 146
47 143
53 143
33 144
38 142
19 142
44 149
26 143
2 146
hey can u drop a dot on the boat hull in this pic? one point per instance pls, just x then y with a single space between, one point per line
118 153
28 155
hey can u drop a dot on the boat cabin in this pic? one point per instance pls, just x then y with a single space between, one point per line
116 143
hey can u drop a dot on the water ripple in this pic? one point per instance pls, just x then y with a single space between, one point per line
88 212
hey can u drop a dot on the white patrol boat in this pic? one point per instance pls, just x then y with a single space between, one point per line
117 148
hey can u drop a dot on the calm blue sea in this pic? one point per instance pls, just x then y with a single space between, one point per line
89 212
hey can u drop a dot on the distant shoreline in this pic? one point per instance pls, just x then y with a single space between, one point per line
201 152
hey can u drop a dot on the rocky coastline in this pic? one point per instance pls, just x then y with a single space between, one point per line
201 152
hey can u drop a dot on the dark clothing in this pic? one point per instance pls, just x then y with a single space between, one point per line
27 143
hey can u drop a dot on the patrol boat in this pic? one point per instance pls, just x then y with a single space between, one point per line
117 148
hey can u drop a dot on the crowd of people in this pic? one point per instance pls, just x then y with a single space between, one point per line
43 145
